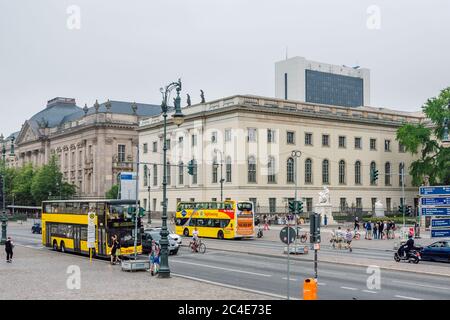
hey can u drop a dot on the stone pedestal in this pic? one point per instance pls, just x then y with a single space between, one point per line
324 209
379 209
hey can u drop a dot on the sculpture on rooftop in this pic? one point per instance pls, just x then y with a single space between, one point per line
202 96
188 99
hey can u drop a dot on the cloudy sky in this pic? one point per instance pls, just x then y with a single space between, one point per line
127 50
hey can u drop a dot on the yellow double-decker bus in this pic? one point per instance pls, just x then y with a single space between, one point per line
65 225
222 220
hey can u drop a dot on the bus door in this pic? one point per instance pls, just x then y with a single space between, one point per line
48 234
77 238
101 241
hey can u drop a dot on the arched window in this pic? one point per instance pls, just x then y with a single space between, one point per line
145 175
194 171
251 169
387 174
358 172
271 170
308 170
401 167
373 167
228 169
325 172
342 172
168 173
181 173
215 165
290 170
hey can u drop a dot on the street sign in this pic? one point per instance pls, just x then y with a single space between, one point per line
436 201
440 233
440 223
91 230
284 235
435 190
437 211
128 185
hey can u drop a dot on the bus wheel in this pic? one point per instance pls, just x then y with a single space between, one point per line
186 232
62 247
55 245
220 235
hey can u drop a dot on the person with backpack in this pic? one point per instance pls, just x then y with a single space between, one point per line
154 257
9 245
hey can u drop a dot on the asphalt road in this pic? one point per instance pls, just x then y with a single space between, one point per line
269 275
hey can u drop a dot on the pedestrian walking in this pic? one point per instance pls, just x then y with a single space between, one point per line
9 246
154 258
348 238
356 228
115 247
375 230
266 224
380 230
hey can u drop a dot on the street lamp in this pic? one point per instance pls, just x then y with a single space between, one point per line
222 180
149 208
178 119
4 216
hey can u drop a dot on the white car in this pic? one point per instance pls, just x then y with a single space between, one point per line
172 235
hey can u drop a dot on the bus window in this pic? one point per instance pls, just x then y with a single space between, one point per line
224 222
213 205
244 206
192 222
228 206
201 222
220 206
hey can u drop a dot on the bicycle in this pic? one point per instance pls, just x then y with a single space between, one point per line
303 237
199 247
357 235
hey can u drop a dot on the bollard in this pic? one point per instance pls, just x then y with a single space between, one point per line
310 289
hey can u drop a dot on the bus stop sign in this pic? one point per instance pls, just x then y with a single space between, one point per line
284 235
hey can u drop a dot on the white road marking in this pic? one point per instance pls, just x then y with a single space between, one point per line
421 285
368 291
291 279
409 298
220 268
348 288
233 287
321 284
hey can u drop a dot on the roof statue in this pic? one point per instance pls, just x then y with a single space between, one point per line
202 96
188 99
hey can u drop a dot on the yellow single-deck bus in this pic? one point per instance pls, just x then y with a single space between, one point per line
222 220
65 225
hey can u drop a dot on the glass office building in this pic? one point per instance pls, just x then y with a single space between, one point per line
333 89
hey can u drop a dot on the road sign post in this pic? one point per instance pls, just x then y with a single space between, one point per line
435 203
91 233
288 235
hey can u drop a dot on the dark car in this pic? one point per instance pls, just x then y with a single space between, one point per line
437 251
147 238
36 228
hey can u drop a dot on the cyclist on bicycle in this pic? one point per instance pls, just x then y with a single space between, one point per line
349 238
195 239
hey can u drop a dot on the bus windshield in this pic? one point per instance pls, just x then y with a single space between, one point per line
121 211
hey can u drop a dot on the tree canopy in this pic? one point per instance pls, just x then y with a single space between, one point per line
425 140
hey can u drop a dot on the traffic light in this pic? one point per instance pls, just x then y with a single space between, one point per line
373 175
314 227
299 207
191 167
408 210
292 206
400 208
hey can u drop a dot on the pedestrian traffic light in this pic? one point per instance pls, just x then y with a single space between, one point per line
191 167
408 210
299 207
314 228
400 208
292 206
373 175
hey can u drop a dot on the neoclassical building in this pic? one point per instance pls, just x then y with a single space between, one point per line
253 138
92 145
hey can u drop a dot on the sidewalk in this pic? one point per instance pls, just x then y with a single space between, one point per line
44 275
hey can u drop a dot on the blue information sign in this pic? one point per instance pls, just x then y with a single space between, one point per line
437 201
437 233
436 190
440 223
438 211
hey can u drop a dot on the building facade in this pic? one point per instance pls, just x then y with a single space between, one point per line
248 141
92 145
317 82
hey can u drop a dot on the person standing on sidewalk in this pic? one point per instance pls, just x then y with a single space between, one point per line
9 245
375 230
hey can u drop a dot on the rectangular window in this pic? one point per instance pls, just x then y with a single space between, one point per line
341 141
359 203
180 173
308 139
121 152
194 140
272 205
168 144
180 141
154 204
309 204
388 204
358 143
214 137
387 145
343 204
192 199
401 148
251 134
253 200
227 135
155 146
325 140
373 203
145 147
290 137
214 199
373 144
270 136
155 174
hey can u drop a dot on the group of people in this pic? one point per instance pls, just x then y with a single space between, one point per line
379 230
340 236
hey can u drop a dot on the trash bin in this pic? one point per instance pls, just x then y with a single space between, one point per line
310 289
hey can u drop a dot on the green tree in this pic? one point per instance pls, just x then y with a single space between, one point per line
425 139
48 181
113 192
21 185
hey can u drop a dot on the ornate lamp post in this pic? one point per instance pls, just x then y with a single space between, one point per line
178 119
4 216
149 219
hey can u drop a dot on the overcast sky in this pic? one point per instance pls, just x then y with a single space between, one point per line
127 50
